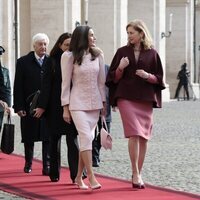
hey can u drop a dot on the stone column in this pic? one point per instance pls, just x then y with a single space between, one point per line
7 35
161 28
102 17
198 40
1 22
120 20
25 36
72 14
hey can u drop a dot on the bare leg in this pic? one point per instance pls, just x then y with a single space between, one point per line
87 159
142 153
79 180
133 146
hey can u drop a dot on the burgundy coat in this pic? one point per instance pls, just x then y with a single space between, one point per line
131 86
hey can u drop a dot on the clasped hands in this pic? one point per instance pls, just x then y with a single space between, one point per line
141 73
38 112
124 62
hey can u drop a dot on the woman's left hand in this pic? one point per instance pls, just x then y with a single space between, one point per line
103 110
141 73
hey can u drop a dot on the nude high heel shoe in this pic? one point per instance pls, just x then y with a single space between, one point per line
94 187
81 185
94 184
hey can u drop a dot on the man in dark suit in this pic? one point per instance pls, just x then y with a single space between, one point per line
28 77
5 89
183 76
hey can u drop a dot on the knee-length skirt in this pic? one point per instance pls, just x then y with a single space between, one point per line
85 122
137 118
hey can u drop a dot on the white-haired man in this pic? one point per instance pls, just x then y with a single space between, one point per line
28 76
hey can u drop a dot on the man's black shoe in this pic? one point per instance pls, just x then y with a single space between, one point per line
95 164
84 176
27 168
46 171
54 179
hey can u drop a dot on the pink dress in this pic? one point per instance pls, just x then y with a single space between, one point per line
86 96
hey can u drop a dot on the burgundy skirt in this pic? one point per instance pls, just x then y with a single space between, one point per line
137 118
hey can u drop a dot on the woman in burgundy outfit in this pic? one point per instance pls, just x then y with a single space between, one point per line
135 81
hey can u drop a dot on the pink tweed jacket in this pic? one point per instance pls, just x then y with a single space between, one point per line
83 86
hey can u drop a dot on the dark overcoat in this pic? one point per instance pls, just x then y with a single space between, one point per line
131 86
3 88
6 78
50 97
27 81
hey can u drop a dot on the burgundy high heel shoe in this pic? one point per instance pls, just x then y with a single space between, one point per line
136 185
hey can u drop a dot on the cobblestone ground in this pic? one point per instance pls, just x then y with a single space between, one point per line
173 157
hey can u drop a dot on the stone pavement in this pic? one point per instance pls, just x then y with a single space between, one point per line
173 157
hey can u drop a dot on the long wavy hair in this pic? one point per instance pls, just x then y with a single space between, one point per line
59 42
140 26
79 44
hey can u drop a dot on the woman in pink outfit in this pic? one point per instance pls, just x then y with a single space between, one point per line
83 95
135 81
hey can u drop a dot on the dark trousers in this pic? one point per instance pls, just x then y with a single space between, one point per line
179 88
96 143
55 155
29 151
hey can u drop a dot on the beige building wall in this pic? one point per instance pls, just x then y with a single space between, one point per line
108 18
46 16
24 27
101 18
180 46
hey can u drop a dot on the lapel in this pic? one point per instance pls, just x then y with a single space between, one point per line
131 56
36 61
44 61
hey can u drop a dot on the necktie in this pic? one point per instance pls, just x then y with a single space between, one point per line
40 61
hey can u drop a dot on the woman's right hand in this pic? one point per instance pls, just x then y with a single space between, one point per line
124 62
66 114
38 112
3 104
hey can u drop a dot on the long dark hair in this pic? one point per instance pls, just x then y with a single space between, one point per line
79 44
60 40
